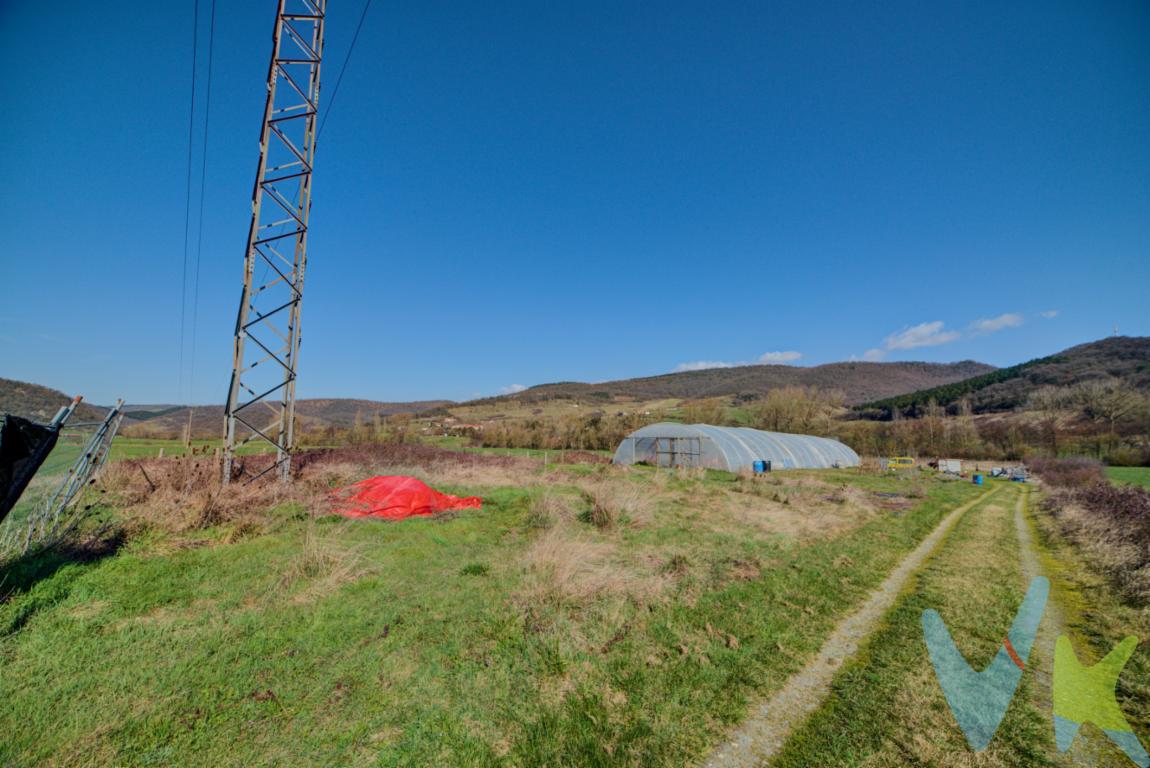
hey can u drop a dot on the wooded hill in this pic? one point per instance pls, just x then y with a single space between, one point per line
38 403
1122 358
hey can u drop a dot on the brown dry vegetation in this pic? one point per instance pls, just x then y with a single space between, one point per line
597 530
1111 525
580 554
590 548
182 494
806 509
566 565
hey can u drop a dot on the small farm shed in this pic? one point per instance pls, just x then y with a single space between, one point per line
731 448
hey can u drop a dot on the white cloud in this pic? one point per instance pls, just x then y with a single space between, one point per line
775 358
511 390
702 365
1049 314
921 335
995 324
767 358
935 333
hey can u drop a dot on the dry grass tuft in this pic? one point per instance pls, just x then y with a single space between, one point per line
692 474
321 566
799 507
547 509
565 566
618 503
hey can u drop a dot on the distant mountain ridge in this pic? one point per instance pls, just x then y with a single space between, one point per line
876 387
40 403
858 381
208 420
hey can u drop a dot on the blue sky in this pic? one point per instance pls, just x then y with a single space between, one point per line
515 193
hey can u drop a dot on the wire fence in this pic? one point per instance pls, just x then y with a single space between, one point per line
55 501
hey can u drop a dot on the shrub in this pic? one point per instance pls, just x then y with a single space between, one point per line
1068 473
1112 524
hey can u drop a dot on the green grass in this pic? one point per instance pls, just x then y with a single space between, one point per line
1129 475
1097 618
421 643
886 707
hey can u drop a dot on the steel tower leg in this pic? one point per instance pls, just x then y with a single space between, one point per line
261 395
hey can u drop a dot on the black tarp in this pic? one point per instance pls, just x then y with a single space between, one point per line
24 445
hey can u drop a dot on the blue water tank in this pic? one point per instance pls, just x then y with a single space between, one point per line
977 479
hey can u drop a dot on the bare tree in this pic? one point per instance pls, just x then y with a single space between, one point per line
711 410
1051 403
1108 402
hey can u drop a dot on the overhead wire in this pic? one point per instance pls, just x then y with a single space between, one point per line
200 214
335 91
188 200
342 69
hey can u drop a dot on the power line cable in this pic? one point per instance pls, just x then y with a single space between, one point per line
200 215
331 103
188 198
334 92
342 69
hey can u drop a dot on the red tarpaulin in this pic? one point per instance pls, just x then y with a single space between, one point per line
395 497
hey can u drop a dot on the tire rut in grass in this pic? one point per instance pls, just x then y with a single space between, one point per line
765 731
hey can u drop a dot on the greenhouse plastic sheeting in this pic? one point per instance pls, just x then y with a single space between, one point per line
730 448
395 497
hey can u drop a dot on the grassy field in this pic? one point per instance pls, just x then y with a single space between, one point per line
587 615
887 708
1098 616
1129 475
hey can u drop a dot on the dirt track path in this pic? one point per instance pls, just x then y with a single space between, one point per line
1053 621
763 733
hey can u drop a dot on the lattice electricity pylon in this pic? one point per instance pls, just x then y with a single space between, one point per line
267 336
